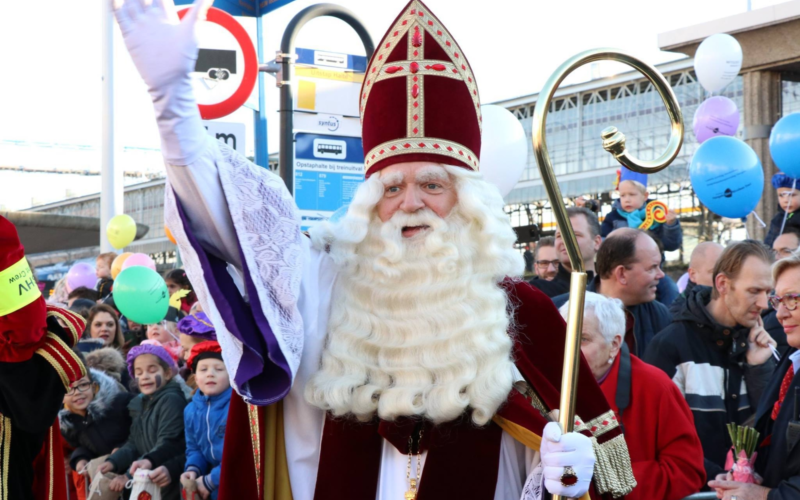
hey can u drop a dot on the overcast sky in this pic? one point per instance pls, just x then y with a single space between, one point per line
50 60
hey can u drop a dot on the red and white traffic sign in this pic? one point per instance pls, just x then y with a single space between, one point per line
227 66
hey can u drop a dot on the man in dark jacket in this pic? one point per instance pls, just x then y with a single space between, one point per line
701 269
629 268
717 351
587 232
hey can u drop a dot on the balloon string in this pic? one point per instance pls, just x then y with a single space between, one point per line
758 218
785 212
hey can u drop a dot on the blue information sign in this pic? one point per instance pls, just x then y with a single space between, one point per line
327 171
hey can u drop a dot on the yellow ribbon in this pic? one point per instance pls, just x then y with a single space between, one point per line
18 287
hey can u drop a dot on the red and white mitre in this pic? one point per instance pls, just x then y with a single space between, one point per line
419 100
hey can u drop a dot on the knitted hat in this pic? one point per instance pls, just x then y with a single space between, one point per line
197 325
419 100
204 350
153 347
781 180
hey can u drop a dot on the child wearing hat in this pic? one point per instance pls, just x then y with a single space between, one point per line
166 332
194 329
205 418
788 190
631 210
156 442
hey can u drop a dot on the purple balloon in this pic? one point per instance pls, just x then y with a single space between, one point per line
682 282
717 115
81 274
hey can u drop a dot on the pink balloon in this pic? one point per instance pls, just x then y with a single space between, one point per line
81 274
716 116
139 259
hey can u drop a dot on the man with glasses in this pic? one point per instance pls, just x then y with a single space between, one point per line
546 259
587 232
787 243
717 351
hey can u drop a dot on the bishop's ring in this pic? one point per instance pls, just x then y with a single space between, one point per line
569 477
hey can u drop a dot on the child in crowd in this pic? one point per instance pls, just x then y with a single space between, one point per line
166 332
94 421
156 442
788 206
205 418
177 280
103 272
194 329
631 210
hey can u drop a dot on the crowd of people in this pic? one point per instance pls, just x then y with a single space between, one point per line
155 397
399 338
723 350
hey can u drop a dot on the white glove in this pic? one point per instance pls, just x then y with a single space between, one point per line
164 51
561 450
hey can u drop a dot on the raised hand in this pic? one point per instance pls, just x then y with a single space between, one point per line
758 344
163 49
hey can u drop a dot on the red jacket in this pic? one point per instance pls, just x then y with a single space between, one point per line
665 451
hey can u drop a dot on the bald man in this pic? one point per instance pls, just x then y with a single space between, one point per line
701 267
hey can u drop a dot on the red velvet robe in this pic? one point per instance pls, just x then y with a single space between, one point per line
538 333
665 451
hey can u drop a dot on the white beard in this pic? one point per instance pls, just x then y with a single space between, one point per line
419 326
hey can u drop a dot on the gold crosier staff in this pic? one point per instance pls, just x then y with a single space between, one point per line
614 143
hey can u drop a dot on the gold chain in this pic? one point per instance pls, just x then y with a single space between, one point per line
413 483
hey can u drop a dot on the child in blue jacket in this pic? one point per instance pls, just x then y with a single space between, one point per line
205 418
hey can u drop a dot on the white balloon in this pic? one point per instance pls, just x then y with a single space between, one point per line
717 61
504 148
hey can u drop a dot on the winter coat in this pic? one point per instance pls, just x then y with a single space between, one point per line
157 434
205 419
106 425
643 321
707 361
110 361
558 285
671 236
792 219
778 460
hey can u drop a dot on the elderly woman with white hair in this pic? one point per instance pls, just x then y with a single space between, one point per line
665 451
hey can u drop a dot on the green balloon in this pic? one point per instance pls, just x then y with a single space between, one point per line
141 295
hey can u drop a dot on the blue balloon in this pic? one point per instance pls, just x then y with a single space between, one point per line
727 176
784 144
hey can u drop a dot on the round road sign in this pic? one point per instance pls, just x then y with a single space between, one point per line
227 66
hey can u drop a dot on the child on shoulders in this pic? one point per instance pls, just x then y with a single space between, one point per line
635 209
788 206
205 418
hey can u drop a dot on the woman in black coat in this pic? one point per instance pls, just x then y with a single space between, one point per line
95 419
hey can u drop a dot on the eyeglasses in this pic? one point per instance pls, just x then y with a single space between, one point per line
82 387
789 301
547 263
782 253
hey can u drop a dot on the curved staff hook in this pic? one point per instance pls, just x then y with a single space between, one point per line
614 143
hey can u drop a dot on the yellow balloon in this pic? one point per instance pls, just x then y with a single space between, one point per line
169 235
116 266
121 230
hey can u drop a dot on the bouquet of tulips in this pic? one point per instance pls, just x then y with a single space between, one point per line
742 455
